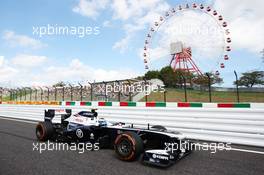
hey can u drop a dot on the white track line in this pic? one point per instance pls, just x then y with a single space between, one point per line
248 151
19 120
232 149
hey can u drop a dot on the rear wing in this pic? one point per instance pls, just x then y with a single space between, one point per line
61 113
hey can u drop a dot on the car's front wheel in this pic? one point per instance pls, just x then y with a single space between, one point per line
128 146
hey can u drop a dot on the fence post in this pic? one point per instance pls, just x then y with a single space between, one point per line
48 93
36 94
81 93
105 84
25 94
146 96
209 87
129 83
185 90
165 96
13 95
119 91
41 94
63 93
10 96
20 94
30 94
91 90
16 94
1 94
237 92
55 94
71 89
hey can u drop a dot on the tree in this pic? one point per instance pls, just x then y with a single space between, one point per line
203 80
169 77
59 84
249 79
173 78
152 74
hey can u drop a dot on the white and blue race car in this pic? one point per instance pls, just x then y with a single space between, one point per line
153 145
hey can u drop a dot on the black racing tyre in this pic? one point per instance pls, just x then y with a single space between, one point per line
44 131
159 128
128 146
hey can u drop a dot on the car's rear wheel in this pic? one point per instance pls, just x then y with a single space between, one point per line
44 131
128 146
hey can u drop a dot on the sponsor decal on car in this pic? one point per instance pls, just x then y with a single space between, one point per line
79 133
157 156
78 120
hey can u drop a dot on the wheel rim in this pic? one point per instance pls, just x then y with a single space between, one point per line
124 148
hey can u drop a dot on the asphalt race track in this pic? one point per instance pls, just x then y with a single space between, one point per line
17 157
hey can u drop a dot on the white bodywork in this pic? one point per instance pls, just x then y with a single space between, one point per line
88 121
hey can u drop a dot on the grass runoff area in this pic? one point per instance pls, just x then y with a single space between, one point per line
178 95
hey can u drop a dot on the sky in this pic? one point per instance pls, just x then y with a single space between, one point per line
105 39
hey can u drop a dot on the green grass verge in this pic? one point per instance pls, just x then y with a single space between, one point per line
177 95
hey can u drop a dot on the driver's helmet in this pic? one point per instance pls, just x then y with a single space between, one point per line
102 122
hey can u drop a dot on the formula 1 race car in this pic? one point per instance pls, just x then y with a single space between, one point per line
155 145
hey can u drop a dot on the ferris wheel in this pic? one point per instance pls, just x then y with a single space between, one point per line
181 54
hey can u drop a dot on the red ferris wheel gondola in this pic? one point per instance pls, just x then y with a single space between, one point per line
214 12
194 5
222 65
226 57
180 8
